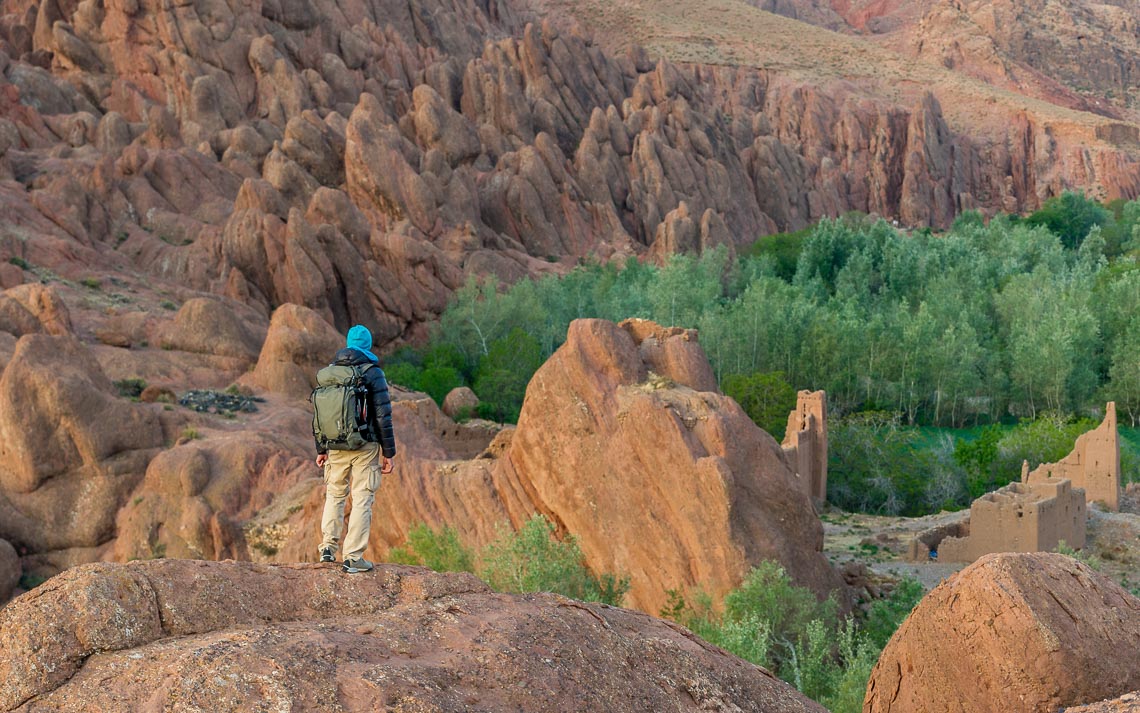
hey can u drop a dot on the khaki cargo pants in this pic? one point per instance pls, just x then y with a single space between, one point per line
361 469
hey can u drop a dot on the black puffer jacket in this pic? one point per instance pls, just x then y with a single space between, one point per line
379 403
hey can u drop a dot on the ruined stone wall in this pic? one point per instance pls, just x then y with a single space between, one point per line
805 442
1093 464
1021 517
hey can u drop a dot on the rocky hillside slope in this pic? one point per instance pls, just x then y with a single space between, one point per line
363 158
1084 55
234 636
1026 632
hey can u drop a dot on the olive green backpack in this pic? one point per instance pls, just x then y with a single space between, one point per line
340 408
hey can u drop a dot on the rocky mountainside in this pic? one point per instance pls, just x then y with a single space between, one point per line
362 159
1026 632
240 636
1083 55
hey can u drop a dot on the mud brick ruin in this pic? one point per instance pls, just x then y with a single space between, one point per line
805 443
1047 507
1093 465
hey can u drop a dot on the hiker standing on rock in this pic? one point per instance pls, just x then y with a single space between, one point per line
352 425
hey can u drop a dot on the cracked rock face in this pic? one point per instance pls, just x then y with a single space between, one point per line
1018 632
239 636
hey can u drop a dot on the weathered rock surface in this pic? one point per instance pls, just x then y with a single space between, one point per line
1026 632
239 635
1128 703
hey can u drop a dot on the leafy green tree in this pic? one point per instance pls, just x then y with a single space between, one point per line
1124 375
783 249
1070 216
504 373
765 396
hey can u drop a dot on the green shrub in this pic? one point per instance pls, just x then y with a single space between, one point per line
775 624
885 615
876 465
441 551
765 396
130 388
1070 216
91 283
404 374
847 683
20 263
438 381
534 560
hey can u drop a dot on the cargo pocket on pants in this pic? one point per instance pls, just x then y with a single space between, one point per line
373 478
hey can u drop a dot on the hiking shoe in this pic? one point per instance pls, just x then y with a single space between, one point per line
358 565
327 555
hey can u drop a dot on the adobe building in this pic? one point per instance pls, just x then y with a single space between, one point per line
805 443
1021 517
1093 464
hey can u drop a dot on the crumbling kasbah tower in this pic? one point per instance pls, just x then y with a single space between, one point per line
805 443
1093 464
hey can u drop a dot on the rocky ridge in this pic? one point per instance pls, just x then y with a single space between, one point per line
241 635
362 160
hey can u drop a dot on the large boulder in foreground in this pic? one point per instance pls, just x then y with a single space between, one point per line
241 636
1015 632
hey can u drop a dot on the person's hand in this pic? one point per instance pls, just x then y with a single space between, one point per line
387 466
322 459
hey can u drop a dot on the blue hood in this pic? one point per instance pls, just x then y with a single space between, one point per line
360 339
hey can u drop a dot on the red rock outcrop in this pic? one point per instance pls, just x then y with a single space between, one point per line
460 400
72 450
305 636
1026 632
298 344
196 498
